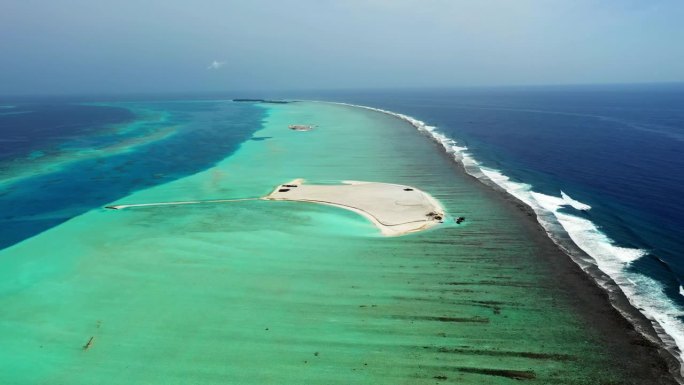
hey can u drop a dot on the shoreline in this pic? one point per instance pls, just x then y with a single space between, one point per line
603 304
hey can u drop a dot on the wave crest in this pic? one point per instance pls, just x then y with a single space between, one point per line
575 204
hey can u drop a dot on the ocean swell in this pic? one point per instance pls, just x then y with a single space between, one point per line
570 232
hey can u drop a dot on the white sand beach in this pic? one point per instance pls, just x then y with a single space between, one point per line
394 209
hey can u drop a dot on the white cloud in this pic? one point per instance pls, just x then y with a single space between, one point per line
216 65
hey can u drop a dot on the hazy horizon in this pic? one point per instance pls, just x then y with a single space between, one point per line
79 47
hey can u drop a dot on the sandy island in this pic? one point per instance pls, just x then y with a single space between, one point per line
394 209
301 127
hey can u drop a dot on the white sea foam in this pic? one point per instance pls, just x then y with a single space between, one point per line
644 293
576 204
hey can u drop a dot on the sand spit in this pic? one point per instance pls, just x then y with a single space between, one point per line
178 203
394 209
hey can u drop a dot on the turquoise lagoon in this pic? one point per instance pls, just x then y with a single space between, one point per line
259 292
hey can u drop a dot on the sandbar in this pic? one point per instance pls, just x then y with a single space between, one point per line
394 209
301 127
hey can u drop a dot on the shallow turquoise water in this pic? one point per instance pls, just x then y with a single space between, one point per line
284 292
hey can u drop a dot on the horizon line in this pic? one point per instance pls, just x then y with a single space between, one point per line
262 91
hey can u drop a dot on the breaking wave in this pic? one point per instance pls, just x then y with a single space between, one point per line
570 232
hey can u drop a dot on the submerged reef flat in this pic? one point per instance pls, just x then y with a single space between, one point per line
286 292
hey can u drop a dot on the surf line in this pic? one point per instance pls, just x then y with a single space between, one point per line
121 207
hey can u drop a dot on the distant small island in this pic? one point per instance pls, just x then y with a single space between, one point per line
262 101
301 127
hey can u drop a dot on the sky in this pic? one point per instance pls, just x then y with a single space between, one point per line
153 46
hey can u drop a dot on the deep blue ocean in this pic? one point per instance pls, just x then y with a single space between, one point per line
104 152
618 149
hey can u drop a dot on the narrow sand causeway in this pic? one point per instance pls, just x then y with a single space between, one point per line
394 209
